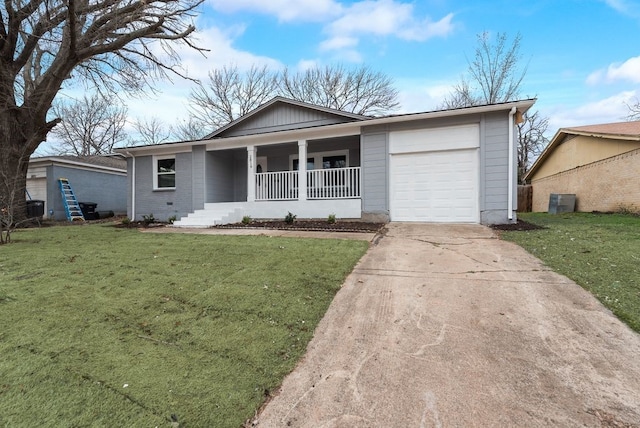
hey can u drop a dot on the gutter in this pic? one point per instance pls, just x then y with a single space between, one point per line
133 185
510 178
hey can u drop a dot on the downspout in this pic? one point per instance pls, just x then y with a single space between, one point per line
510 180
133 186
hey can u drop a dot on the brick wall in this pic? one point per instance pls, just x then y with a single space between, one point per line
606 185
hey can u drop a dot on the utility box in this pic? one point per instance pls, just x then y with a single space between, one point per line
562 203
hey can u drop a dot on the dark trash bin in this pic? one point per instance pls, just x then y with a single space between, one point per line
35 208
89 210
105 214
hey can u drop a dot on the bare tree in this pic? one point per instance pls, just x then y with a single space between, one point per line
634 110
531 140
361 91
46 44
494 75
151 131
230 93
190 129
90 126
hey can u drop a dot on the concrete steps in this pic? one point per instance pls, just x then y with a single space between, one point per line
212 215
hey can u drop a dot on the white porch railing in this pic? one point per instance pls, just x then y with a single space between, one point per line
333 183
277 186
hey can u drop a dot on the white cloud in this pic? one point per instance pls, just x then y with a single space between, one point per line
626 71
346 22
385 18
420 95
171 101
284 10
338 42
306 64
625 7
220 42
606 110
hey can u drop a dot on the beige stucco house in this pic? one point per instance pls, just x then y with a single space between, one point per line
600 164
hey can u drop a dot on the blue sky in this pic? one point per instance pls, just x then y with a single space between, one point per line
583 56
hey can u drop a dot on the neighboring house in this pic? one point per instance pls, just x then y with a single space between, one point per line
600 164
443 166
97 179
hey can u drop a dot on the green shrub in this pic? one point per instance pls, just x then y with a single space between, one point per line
148 219
290 218
126 220
172 219
246 219
331 219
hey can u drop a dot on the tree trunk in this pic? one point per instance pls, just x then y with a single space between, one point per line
19 138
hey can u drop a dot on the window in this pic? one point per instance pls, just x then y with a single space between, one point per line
334 162
164 172
322 160
310 164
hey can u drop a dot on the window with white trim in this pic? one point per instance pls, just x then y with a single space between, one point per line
164 172
322 160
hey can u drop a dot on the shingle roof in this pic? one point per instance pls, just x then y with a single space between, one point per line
618 128
614 131
110 161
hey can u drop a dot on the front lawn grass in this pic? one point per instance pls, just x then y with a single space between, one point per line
112 327
601 252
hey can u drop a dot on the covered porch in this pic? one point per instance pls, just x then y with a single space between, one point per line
268 181
274 172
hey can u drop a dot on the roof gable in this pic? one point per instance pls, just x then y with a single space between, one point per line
627 131
282 114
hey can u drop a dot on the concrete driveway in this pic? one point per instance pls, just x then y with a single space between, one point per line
445 325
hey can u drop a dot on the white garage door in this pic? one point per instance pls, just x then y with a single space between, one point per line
437 184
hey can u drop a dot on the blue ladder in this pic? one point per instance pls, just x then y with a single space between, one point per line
71 206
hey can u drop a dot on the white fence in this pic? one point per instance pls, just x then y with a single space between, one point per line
333 183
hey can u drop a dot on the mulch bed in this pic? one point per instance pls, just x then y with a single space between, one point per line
519 226
310 225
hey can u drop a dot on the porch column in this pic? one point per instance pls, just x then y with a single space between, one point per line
251 174
302 170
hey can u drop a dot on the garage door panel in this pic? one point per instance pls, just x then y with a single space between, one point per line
435 186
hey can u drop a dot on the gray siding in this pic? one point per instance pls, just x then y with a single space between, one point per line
199 182
282 117
494 168
494 163
108 190
240 176
375 170
163 203
278 163
219 175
